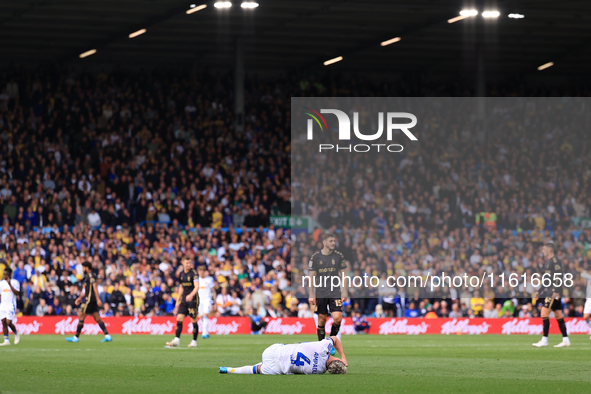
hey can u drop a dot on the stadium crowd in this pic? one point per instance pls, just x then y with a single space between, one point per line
133 171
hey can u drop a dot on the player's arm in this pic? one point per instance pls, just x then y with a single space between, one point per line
342 274
339 347
557 291
311 295
191 295
81 296
214 295
585 275
15 291
99 303
178 298
312 276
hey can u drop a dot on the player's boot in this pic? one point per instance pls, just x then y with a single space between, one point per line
563 344
223 370
175 342
73 339
193 344
17 338
205 336
5 343
540 344
107 339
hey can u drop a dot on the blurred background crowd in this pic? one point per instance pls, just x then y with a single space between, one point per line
131 171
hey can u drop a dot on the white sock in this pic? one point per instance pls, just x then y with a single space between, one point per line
339 335
545 339
204 323
246 370
316 319
565 339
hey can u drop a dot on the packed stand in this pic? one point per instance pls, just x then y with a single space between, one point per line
132 171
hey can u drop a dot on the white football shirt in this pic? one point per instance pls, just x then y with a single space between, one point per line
205 286
306 358
8 301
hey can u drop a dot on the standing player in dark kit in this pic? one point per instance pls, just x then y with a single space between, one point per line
551 295
324 265
187 302
91 306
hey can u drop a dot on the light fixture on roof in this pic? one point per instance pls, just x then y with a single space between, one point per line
87 53
545 66
249 4
516 16
463 15
195 8
491 14
468 13
392 41
222 4
333 60
137 33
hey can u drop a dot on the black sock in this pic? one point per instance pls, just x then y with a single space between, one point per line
321 333
546 322
334 329
102 326
195 331
179 329
562 327
79 329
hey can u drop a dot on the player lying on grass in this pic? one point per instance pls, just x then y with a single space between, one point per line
306 358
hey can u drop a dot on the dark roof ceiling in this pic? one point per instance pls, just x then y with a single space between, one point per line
301 34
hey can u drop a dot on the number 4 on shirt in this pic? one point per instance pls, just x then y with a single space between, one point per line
300 359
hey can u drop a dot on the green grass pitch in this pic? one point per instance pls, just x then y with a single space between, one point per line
377 364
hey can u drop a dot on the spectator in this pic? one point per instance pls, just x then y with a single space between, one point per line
489 311
361 324
42 308
412 311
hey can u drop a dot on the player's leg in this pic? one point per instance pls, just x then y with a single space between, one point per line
81 318
321 327
179 329
17 336
269 361
5 332
322 310
204 310
336 311
560 319
195 331
101 324
246 370
546 324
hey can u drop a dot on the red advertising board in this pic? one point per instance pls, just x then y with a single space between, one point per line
288 326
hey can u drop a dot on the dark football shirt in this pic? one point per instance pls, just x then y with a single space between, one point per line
187 280
325 267
89 281
551 266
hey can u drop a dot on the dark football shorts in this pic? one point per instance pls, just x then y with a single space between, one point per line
90 307
189 308
322 305
553 304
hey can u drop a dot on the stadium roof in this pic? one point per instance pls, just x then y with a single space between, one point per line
302 34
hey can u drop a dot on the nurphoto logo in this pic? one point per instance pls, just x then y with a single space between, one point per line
345 130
